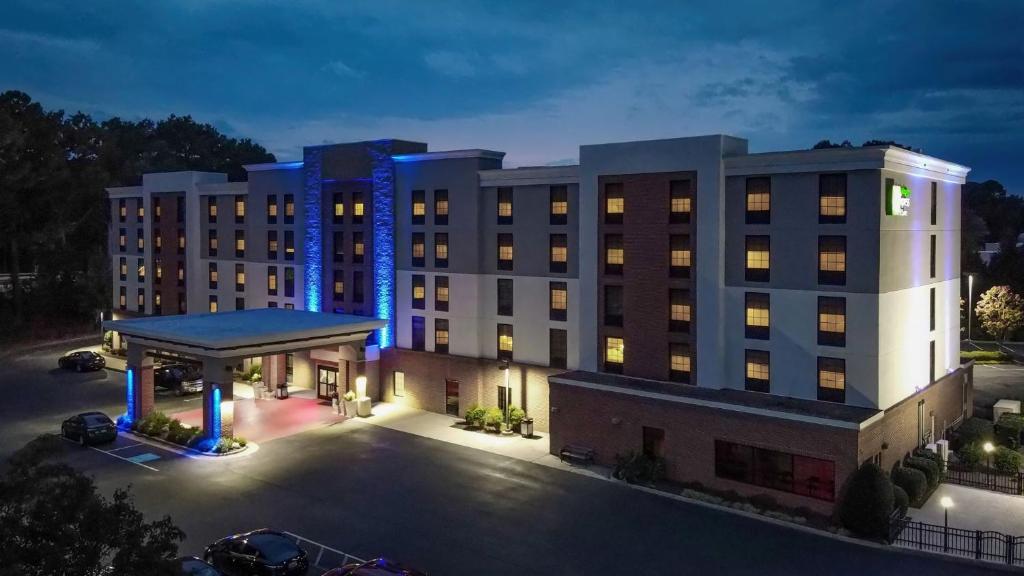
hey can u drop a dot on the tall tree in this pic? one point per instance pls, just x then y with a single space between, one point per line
1000 311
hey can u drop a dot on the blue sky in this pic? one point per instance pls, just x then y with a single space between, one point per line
536 79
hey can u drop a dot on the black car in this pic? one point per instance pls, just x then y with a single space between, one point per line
81 361
89 428
377 567
180 378
260 552
192 566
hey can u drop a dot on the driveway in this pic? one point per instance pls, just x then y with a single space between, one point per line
994 382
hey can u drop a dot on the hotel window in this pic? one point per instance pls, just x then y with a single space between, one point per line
757 315
832 198
557 348
935 203
239 243
419 292
559 253
239 303
239 209
613 305
832 379
931 309
158 243
440 335
179 204
504 342
758 264
339 208
272 281
558 300
931 256
339 246
289 208
239 277
399 383
419 249
140 240
679 310
158 269
559 204
211 209
157 212
339 284
122 210
419 206
358 248
289 306
123 268
289 245
213 302
418 333
757 371
504 205
441 207
211 242
680 201
613 254
140 211
122 239
505 297
182 306
441 293
679 260
441 250
140 271
832 260
271 244
271 304
212 273
272 209
831 321
122 298
357 287
358 208
140 300
504 251
181 273
181 241
157 302
614 354
289 282
759 200
679 362
614 203
803 475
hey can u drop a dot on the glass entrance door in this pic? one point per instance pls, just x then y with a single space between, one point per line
451 394
326 381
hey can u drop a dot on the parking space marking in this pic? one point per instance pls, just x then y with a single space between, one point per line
129 460
144 457
124 447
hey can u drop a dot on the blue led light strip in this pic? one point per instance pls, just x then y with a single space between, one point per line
312 265
384 239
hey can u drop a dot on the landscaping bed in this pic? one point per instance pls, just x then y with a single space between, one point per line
159 426
492 420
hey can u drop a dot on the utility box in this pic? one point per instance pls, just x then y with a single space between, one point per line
942 447
1005 407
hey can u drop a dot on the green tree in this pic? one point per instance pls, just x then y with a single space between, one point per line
1000 311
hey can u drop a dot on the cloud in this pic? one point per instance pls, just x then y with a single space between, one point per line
342 70
447 63
49 41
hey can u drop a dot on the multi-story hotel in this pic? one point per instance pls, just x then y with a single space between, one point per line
763 322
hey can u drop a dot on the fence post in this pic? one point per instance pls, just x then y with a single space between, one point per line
1009 549
977 544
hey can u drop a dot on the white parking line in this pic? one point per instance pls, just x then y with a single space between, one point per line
110 453
123 447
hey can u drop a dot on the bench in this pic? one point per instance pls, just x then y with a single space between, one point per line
577 454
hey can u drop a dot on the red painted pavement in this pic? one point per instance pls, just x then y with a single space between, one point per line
264 420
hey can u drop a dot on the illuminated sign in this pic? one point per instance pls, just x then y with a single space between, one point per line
897 200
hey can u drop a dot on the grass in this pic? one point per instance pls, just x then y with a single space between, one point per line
985 357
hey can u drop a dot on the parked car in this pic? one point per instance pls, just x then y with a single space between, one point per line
89 428
192 566
376 567
180 378
260 552
82 361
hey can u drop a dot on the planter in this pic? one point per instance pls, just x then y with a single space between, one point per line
350 408
363 407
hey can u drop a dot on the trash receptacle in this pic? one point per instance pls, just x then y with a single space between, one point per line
526 427
282 391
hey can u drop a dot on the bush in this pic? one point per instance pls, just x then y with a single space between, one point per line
241 441
175 431
985 356
1008 430
900 500
475 415
154 424
638 467
913 482
970 455
196 439
516 415
223 445
931 470
933 456
867 502
1006 460
493 418
975 430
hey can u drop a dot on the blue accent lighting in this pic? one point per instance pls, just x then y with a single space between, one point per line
313 265
215 413
129 415
384 239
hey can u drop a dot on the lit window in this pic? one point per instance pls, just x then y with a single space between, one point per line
211 208
759 200
758 258
272 244
832 198
559 296
213 275
339 207
504 251
419 249
122 299
559 253
559 204
679 310
140 240
441 250
680 201
832 379
158 269
157 241
679 362
831 321
239 243
441 335
613 254
339 285
358 246
141 271
239 208
240 276
157 212
757 315
122 210
614 352
122 239
181 240
832 259
358 208
419 291
289 207
213 303
181 272
271 209
123 269
156 299
140 212
212 242
679 255
441 207
289 245
504 205
614 203
419 206
272 281
758 371
441 293
141 300
505 341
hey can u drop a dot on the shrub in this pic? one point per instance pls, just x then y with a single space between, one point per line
913 482
928 466
349 396
154 423
1006 460
970 455
493 418
867 502
196 439
175 431
241 441
900 500
516 415
985 356
975 430
223 445
933 456
475 415
1008 430
638 467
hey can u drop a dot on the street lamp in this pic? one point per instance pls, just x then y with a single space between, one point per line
970 298
988 448
504 367
946 503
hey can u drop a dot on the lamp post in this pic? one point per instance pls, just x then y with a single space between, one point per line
970 298
504 367
946 503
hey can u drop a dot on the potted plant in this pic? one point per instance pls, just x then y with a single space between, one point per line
493 419
475 416
516 415
350 403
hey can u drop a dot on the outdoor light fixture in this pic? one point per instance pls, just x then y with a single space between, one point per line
988 447
970 298
946 503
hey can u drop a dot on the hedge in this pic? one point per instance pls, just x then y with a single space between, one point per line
975 430
1008 430
970 455
900 499
930 468
913 482
867 502
1006 460
986 356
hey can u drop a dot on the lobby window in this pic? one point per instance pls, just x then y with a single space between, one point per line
399 383
140 271
358 287
758 262
419 249
158 243
122 239
289 208
271 244
614 203
612 305
181 273
157 302
504 205
441 335
832 199
239 277
832 379
419 206
831 321
358 248
158 269
419 336
559 204
239 209
679 310
558 348
614 256
140 240
504 342
441 207
239 303
614 354
289 282
558 299
272 281
212 275
140 211
757 315
211 209
759 200
505 297
559 253
239 243
680 201
832 260
358 207
123 268
935 204
122 298
157 212
441 293
213 303
419 291
931 256
504 251
211 242
181 241
679 362
140 301
803 475
679 257
441 250
122 210
339 284
757 371
338 239
931 309
272 209
289 245
339 208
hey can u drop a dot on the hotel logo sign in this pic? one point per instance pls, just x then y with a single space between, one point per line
897 200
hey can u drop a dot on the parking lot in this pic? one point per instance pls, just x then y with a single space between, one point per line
994 382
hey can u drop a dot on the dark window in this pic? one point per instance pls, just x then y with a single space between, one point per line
271 244
419 291
339 246
613 305
441 293
271 304
931 361
614 203
211 243
239 209
832 260
831 321
358 207
557 347
832 198
239 243
289 245
832 379
931 309
289 208
339 284
441 207
419 249
357 287
505 252
935 203
680 200
504 205
271 280
558 300
182 306
803 475
441 250
180 212
653 442
931 257
239 303
289 282
418 333
504 296
558 253
559 206
272 209
757 320
679 256
504 342
757 371
212 275
758 264
679 310
613 254
679 362
441 335
759 203
419 206
358 248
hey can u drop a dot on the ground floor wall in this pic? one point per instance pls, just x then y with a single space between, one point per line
427 377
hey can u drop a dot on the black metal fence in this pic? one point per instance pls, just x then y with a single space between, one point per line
978 544
1005 483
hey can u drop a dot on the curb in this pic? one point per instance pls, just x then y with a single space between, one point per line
187 452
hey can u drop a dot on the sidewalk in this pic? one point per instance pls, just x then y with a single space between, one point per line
974 509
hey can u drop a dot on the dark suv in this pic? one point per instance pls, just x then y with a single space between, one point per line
180 378
260 552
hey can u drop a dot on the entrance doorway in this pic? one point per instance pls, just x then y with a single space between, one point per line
451 396
326 382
